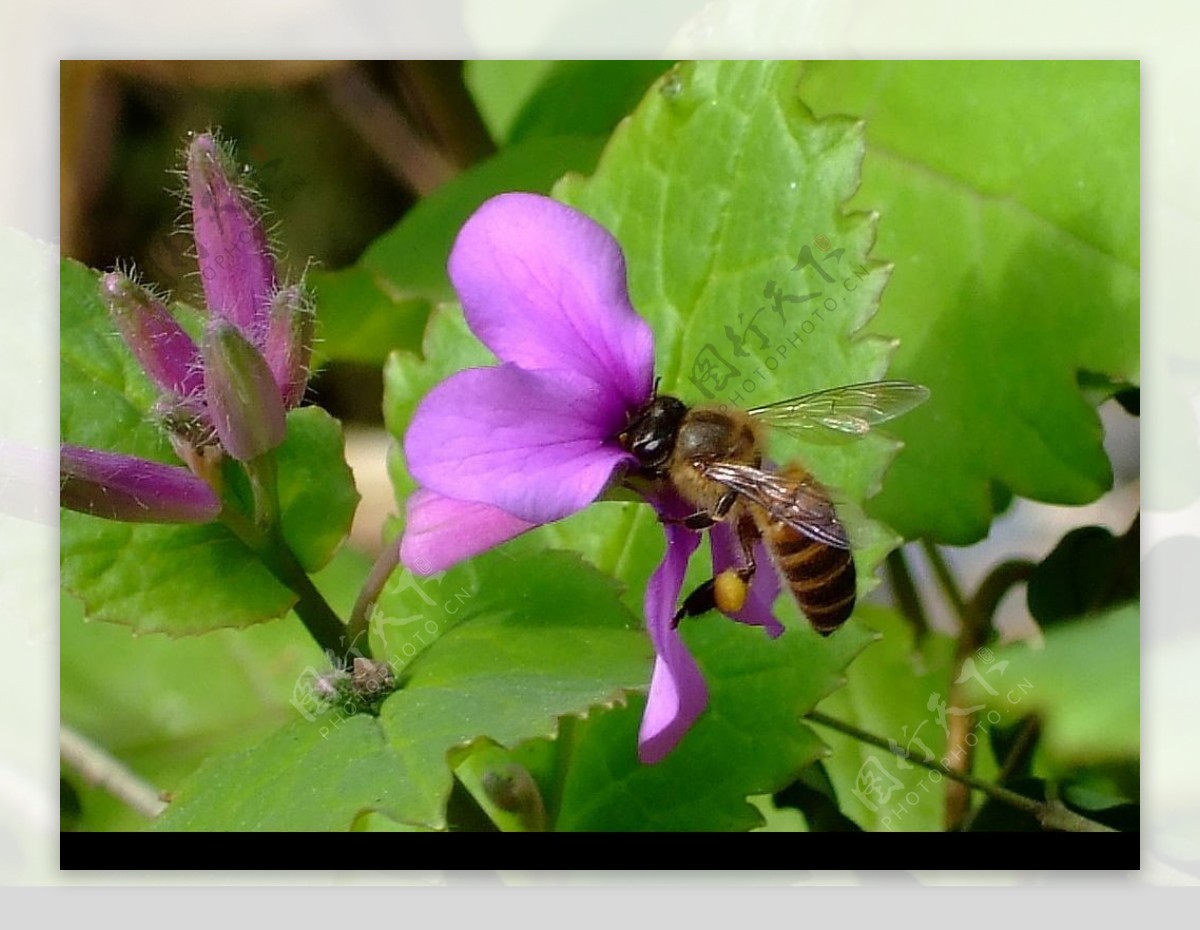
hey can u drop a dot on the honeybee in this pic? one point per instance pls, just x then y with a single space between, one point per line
712 456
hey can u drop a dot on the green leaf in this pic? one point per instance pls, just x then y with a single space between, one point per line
583 98
501 89
498 649
887 694
1088 571
748 742
1015 242
529 640
381 303
813 797
1084 685
303 777
520 100
179 579
317 496
163 705
104 394
361 316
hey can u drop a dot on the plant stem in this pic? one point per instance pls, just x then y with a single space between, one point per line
1020 749
313 610
262 474
360 616
1052 815
436 94
971 635
318 617
946 579
388 132
905 592
101 769
999 581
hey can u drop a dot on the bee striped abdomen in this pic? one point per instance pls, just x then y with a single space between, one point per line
821 576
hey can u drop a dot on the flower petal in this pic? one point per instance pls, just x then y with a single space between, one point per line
543 286
441 532
236 265
134 490
535 444
764 589
678 694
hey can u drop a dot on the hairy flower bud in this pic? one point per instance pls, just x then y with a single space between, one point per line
243 400
164 350
134 490
236 265
288 342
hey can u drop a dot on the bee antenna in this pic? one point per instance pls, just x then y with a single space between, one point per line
657 381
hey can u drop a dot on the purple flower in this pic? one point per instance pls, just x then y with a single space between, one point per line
504 449
229 394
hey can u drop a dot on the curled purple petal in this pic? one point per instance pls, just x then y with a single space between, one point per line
440 532
287 344
134 490
236 265
243 399
166 353
543 286
764 589
678 694
535 444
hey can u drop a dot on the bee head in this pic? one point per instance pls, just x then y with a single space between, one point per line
651 433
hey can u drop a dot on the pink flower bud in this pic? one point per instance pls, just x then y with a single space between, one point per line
134 490
288 342
164 350
236 265
243 399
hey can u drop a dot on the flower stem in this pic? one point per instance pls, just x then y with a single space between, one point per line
415 162
999 581
313 610
977 626
263 481
971 635
101 769
265 537
360 616
1021 748
946 580
1051 815
905 592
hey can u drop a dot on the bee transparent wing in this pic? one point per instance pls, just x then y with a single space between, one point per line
841 413
798 501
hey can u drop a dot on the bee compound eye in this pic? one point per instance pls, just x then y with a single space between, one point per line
649 449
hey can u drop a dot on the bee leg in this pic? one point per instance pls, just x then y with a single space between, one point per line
700 601
703 519
724 591
748 535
